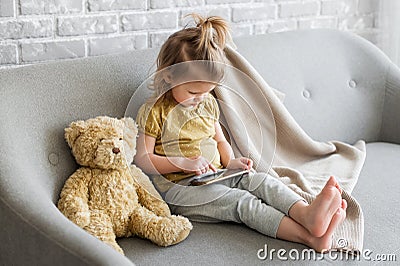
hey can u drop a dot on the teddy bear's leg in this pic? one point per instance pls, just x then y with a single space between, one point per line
158 206
148 195
163 231
101 227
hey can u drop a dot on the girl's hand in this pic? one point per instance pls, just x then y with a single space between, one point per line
240 163
197 165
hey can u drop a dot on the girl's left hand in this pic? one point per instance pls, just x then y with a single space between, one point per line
240 163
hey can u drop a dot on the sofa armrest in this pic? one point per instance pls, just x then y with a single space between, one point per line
34 231
390 130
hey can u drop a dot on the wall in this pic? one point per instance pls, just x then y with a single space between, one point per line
389 25
32 31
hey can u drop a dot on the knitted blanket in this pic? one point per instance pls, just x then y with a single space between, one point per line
260 127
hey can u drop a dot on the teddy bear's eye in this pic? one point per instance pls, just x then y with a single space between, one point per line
101 139
120 138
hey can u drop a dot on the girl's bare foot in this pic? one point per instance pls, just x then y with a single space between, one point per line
323 208
290 230
317 216
324 243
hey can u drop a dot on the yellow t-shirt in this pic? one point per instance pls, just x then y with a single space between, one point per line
181 131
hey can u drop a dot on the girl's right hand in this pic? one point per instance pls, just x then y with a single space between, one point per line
240 163
197 165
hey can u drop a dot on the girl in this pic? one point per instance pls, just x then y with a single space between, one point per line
179 136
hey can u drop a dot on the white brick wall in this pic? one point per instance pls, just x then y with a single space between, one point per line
33 31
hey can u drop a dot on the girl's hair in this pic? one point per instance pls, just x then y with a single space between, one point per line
206 41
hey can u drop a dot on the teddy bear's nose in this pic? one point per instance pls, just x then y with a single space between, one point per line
115 150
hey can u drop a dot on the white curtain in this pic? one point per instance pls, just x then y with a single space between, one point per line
390 25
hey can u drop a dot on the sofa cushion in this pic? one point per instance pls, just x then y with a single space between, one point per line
377 191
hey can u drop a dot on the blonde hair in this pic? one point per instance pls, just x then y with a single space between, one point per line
206 41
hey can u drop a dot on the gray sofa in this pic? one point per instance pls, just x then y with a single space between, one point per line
337 85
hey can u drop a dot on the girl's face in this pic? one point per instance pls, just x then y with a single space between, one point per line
192 93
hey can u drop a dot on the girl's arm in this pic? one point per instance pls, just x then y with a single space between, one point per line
224 148
228 159
150 162
155 164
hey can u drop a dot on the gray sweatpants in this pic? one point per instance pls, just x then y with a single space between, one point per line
258 200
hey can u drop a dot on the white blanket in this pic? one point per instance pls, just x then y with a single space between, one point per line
261 128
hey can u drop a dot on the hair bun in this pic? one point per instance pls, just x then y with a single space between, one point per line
214 31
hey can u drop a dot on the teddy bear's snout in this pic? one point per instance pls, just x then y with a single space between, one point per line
116 150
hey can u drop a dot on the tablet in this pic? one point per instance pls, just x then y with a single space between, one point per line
221 174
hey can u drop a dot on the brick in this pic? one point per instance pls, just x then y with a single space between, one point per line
50 6
213 2
6 8
20 29
356 22
158 38
298 9
286 25
154 4
241 30
87 25
223 12
32 52
242 14
149 21
105 5
344 7
330 23
8 54
117 44
275 26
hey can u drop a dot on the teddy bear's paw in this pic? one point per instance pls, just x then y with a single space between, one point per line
115 246
178 230
182 236
81 219
186 226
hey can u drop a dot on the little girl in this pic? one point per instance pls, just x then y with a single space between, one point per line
180 135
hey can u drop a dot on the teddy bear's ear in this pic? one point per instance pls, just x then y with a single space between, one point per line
130 134
74 130
130 129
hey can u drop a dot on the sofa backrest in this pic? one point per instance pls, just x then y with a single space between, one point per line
334 81
333 84
39 101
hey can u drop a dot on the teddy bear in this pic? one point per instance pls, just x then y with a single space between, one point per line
110 197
